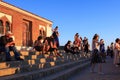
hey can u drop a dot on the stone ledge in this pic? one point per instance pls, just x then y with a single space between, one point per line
41 72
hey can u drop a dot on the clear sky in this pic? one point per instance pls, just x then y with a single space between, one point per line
86 17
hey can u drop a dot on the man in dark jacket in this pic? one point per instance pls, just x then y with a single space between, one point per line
7 44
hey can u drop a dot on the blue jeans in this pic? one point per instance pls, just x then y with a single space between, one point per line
57 40
7 51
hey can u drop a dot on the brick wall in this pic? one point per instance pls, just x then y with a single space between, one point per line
17 24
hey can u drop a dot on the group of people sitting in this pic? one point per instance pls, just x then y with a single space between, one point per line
48 44
77 45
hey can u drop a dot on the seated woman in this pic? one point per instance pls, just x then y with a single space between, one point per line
67 47
46 46
53 46
38 44
75 47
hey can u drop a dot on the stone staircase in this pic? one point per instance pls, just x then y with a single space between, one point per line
37 66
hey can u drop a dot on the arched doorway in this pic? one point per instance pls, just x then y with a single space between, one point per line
42 31
7 25
26 34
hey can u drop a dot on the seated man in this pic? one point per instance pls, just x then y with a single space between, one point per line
67 47
38 44
7 44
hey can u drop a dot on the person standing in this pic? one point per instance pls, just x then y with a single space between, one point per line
108 51
86 46
96 58
112 50
55 35
102 50
116 52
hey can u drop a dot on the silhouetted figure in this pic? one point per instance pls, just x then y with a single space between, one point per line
55 35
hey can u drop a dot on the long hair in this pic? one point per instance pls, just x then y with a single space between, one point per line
95 36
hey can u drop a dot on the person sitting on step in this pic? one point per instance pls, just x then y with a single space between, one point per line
7 44
53 46
38 44
46 46
67 47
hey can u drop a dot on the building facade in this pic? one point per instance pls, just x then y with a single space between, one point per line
25 26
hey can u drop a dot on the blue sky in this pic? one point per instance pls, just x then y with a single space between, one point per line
86 17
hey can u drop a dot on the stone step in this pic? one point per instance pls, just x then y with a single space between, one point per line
28 55
38 58
28 68
8 71
64 75
28 62
47 56
35 74
35 61
25 55
4 65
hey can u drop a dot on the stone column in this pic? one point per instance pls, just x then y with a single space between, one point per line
48 30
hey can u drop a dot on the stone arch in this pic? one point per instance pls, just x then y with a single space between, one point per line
7 26
42 31
26 33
